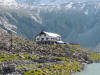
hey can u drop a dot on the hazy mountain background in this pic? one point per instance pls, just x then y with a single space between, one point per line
77 21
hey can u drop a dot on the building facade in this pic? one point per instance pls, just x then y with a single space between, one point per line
48 38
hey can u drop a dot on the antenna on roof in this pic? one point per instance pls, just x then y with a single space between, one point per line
11 40
11 30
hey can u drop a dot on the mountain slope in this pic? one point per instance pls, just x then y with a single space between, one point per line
78 26
26 23
28 58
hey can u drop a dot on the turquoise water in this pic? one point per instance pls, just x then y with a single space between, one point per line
91 69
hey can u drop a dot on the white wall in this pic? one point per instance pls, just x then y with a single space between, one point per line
49 38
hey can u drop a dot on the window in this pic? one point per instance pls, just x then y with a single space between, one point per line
37 39
47 38
59 39
51 38
42 39
44 34
56 39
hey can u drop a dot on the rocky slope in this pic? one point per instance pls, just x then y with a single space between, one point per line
28 58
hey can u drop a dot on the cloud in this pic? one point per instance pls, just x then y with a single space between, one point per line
7 2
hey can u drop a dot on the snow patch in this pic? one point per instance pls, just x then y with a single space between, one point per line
69 5
83 6
8 26
86 12
52 34
36 18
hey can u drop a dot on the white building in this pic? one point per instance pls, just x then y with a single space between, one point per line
48 38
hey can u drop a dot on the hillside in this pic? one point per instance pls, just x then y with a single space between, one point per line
78 26
28 58
21 21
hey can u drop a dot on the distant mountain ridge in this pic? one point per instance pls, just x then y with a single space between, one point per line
78 26
49 2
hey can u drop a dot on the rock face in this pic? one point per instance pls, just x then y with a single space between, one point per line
8 69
